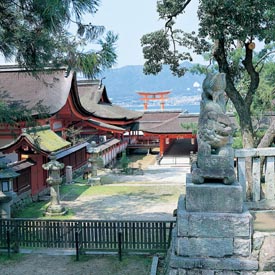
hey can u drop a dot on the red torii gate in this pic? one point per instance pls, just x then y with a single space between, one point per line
161 96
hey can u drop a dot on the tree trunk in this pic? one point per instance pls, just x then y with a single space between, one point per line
241 104
268 137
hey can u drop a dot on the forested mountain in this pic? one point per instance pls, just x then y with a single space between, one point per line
125 82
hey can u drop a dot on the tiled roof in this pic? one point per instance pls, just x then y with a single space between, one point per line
104 146
158 116
21 165
49 87
105 125
175 125
67 151
93 98
164 122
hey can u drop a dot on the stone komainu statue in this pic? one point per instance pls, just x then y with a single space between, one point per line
215 159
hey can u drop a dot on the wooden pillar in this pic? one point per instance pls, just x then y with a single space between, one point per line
162 102
161 145
145 105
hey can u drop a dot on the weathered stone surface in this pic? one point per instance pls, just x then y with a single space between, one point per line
267 254
201 224
204 247
231 263
235 273
242 247
214 197
258 240
173 272
182 272
213 272
215 129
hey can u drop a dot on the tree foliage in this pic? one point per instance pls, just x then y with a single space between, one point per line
39 33
228 32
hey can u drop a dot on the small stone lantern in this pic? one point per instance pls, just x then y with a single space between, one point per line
54 180
7 176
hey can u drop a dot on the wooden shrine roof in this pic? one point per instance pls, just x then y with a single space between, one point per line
175 125
93 98
154 121
40 138
49 87
105 126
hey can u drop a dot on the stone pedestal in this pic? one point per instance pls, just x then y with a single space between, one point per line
5 202
94 181
213 234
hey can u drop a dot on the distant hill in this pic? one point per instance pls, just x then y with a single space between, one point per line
124 83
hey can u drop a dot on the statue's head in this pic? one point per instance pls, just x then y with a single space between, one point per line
214 85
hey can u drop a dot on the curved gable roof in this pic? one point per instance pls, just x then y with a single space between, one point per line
41 138
93 98
49 87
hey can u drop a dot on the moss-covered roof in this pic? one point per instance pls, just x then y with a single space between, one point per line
41 138
45 139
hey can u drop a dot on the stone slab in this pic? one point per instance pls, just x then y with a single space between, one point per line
231 263
214 197
242 247
204 247
267 254
212 225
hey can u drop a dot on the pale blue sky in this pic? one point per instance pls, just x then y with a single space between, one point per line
131 19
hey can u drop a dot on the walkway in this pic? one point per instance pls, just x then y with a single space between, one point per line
178 153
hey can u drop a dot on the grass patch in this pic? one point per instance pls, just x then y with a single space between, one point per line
162 192
33 210
14 257
36 210
72 191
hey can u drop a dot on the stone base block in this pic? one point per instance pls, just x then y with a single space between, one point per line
212 234
211 243
212 225
204 247
214 197
213 264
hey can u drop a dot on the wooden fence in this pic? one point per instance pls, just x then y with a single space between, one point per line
269 172
144 236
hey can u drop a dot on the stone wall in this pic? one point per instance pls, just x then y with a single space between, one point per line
264 251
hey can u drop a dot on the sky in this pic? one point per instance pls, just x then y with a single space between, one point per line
131 19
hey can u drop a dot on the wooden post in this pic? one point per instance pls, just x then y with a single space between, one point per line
120 245
270 179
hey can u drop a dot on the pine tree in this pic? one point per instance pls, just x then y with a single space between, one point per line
39 33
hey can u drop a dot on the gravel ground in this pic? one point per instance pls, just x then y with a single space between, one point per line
41 264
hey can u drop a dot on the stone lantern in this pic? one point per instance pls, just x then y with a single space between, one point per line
93 161
54 180
7 176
